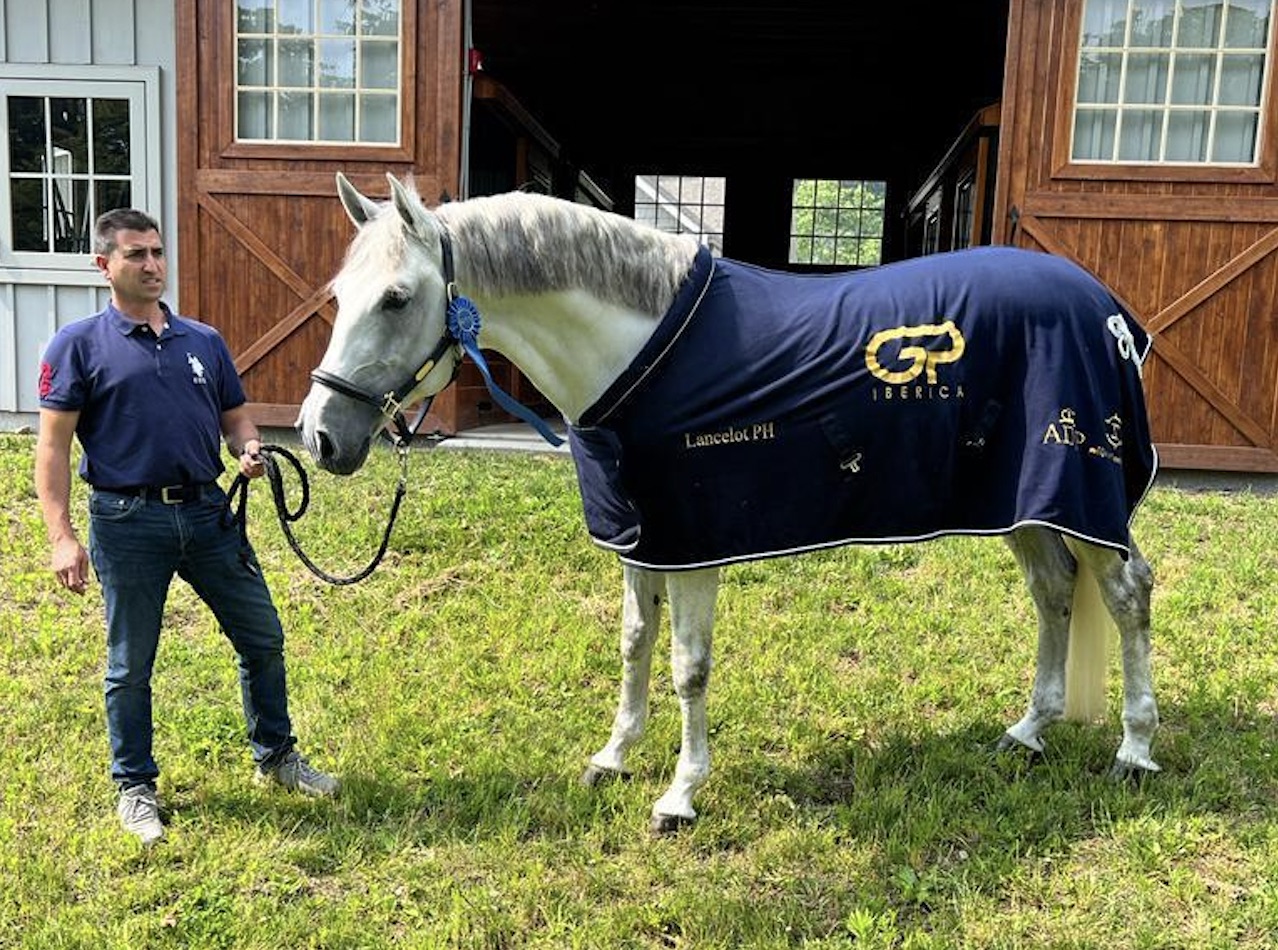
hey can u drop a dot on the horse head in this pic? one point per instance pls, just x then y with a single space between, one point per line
390 345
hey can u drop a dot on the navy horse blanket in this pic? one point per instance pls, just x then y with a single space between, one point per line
970 392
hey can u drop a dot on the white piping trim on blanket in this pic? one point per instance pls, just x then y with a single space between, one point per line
1123 549
620 400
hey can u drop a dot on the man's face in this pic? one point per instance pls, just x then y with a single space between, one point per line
136 269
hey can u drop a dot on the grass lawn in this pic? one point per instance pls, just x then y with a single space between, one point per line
459 691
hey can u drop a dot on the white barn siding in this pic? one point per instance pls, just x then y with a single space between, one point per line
79 34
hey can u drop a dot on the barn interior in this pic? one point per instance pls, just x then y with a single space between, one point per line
758 93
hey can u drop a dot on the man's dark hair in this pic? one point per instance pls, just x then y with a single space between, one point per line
119 219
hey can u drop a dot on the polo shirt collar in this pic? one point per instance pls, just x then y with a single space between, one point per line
127 326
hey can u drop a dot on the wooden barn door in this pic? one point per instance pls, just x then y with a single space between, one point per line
261 230
1192 250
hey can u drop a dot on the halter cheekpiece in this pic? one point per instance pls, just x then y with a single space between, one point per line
461 330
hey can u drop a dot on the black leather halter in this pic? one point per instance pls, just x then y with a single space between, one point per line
390 404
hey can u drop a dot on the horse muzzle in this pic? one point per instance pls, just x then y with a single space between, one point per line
337 433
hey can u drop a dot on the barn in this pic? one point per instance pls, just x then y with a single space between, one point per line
1136 137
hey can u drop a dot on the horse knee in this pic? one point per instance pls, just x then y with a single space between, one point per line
636 642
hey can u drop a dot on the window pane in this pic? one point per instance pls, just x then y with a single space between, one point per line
69 128
1199 24
337 64
297 63
256 16
804 189
1141 137
111 137
1192 79
70 216
27 196
1146 78
337 17
1104 23
254 66
1235 139
1152 23
379 65
111 194
26 134
254 120
337 118
1098 75
1187 136
1240 78
378 119
296 16
1247 24
295 115
380 17
1094 135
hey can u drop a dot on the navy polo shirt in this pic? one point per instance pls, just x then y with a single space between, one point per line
150 407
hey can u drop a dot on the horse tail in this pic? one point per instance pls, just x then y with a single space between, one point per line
1091 630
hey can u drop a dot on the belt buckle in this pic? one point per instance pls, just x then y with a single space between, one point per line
175 499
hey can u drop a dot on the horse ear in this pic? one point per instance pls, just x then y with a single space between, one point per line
410 207
359 208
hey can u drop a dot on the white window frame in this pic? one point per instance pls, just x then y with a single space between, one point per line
1215 109
140 85
317 90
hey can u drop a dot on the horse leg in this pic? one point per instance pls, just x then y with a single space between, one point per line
1049 571
640 620
692 599
1125 587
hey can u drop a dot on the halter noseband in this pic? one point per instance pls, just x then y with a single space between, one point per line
461 331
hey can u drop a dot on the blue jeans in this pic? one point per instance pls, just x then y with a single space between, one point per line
137 545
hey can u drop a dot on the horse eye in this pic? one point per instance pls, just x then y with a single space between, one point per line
395 299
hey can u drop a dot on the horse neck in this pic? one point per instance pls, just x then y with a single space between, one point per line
571 345
576 315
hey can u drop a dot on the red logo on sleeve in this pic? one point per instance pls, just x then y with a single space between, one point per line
46 379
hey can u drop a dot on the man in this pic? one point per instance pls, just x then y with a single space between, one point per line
150 396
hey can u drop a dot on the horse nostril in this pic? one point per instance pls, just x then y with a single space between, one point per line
325 446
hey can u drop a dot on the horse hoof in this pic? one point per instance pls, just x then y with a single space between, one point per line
595 776
1131 773
669 824
1009 743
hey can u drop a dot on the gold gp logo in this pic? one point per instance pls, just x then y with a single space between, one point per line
922 359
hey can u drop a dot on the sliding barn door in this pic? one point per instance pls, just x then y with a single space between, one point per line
1174 205
270 111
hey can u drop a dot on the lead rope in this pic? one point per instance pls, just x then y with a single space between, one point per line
237 499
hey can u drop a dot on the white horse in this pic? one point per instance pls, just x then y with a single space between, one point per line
572 295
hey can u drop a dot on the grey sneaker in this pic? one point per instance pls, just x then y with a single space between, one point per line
297 775
140 813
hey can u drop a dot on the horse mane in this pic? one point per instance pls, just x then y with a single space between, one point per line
525 243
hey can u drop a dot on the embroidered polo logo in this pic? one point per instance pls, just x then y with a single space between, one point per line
197 370
46 380
919 358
